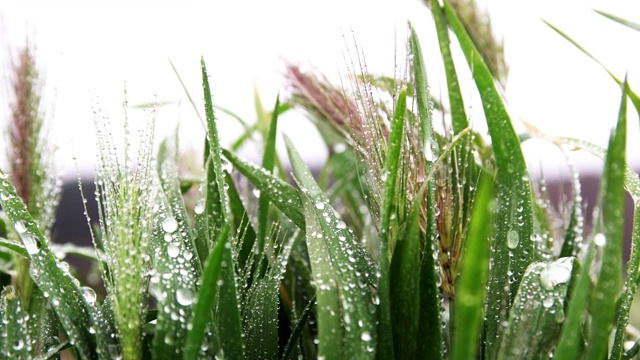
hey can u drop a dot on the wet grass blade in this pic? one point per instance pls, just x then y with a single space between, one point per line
514 217
611 226
268 162
176 262
458 113
474 272
14 342
342 273
537 313
422 90
205 300
69 303
385 334
281 194
297 331
573 233
13 246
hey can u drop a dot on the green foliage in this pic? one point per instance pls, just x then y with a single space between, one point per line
412 243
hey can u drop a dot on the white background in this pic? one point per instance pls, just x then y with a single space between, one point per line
89 49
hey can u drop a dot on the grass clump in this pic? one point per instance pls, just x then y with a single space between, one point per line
412 242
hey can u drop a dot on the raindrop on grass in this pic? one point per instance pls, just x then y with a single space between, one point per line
548 301
169 224
600 239
20 227
513 239
199 208
558 272
173 251
185 296
88 294
365 336
319 205
30 243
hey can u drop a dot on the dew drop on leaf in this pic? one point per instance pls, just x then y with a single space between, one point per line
173 251
319 205
185 296
199 208
513 239
169 224
30 243
600 239
20 227
88 294
558 272
365 336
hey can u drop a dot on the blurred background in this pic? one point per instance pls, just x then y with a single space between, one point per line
87 50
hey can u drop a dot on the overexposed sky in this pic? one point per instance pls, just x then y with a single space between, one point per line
88 49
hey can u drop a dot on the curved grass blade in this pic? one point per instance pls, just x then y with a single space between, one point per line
537 313
611 226
635 99
514 217
628 23
15 343
13 246
573 233
205 300
69 303
246 235
281 194
176 262
458 113
342 274
474 273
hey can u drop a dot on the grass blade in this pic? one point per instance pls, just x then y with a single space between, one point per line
610 226
628 23
13 246
69 303
342 274
176 262
207 294
514 217
422 91
281 194
297 331
385 340
537 313
14 341
458 114
474 271
573 233
635 99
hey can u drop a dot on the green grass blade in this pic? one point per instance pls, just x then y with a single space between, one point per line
59 286
13 327
422 90
628 23
635 99
570 342
268 162
474 271
385 335
458 113
216 207
281 194
242 227
297 331
405 289
537 313
342 274
207 294
573 232
184 87
176 262
514 217
611 225
13 246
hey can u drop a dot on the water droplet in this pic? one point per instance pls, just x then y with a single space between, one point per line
319 205
185 296
18 345
88 294
5 197
20 227
548 301
513 239
199 208
365 336
341 225
169 224
600 239
558 272
30 243
173 251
